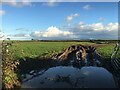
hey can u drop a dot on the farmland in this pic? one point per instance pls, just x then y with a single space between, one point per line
46 49
29 50
34 49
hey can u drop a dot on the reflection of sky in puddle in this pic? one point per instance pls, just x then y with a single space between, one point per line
70 77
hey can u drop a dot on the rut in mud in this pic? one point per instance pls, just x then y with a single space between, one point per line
78 54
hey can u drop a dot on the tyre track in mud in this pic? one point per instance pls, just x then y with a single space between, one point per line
86 54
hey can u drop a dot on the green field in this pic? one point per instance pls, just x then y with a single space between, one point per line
18 50
42 49
106 51
34 49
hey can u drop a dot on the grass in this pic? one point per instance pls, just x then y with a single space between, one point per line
46 49
18 50
42 49
33 49
106 51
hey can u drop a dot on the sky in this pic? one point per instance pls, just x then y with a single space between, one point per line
59 20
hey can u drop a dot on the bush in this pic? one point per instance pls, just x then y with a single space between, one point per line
9 68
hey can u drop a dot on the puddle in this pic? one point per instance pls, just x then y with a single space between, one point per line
70 77
82 70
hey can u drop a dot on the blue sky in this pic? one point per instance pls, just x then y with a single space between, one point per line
63 20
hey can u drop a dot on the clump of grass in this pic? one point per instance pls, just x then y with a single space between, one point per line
106 51
10 78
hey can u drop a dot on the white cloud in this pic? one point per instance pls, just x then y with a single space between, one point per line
12 3
96 26
37 34
19 38
87 7
72 16
76 15
96 30
112 26
2 12
16 3
21 35
81 23
69 18
79 31
50 3
52 33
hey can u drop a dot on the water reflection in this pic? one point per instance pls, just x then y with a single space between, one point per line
70 77
73 72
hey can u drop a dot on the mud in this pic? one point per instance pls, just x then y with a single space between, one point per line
78 54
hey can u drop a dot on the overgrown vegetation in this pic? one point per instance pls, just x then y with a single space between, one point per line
10 73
